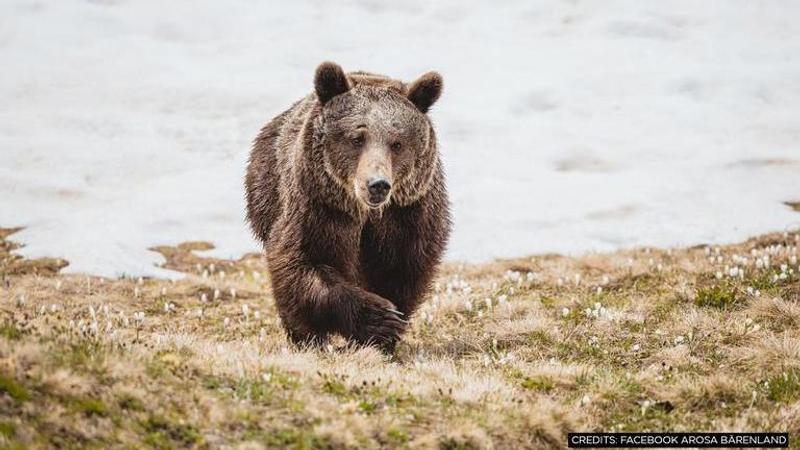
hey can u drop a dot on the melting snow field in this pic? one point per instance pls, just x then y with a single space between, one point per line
565 126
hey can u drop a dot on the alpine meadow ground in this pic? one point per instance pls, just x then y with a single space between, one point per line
508 354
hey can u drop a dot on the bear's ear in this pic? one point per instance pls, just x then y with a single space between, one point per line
425 91
330 81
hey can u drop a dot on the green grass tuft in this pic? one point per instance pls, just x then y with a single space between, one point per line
784 387
161 433
333 385
7 429
542 384
294 438
130 403
720 296
398 436
15 390
90 407
10 332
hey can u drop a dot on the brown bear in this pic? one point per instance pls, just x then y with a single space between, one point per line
347 194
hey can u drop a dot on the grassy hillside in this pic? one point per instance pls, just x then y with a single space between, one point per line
512 354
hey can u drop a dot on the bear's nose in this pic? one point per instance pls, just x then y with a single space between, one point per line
378 188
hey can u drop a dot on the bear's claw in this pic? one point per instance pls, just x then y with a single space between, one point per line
399 313
380 325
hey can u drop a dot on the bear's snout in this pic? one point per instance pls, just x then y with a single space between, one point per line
373 177
378 189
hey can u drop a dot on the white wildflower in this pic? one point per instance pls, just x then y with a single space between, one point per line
505 359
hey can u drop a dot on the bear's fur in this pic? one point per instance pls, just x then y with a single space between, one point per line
342 258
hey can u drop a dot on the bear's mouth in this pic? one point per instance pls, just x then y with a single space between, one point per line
375 203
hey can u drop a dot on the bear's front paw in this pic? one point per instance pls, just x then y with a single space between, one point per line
380 324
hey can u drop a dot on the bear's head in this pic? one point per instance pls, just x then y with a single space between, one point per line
375 136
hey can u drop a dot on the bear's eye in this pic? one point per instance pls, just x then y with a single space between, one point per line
358 141
396 147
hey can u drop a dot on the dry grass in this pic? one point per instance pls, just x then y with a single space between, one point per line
512 354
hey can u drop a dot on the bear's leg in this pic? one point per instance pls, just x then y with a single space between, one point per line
306 338
312 255
313 302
